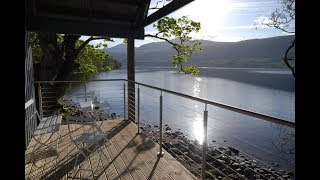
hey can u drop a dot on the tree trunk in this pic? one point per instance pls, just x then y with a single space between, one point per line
69 65
286 59
51 56
57 63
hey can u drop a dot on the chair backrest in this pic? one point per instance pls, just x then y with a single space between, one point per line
28 104
83 121
30 122
47 125
79 120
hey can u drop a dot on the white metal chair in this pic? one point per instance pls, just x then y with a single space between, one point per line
47 125
92 139
88 96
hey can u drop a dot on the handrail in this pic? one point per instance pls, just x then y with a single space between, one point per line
80 81
231 108
28 103
224 106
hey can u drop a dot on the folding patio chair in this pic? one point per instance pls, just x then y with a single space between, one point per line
91 139
47 125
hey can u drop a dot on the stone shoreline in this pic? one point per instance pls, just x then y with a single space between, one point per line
224 161
71 108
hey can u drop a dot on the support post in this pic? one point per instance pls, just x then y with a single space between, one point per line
124 100
40 101
131 80
85 91
160 153
204 143
138 110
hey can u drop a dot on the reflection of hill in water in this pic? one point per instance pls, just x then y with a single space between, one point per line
270 78
262 53
282 81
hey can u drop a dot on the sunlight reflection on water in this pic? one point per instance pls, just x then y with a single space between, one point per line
198 129
196 87
198 124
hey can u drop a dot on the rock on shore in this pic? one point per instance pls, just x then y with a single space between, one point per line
221 161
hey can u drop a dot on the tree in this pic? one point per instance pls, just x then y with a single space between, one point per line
93 60
180 30
283 19
56 56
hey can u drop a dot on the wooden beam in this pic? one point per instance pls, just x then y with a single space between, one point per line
89 28
131 80
167 9
142 12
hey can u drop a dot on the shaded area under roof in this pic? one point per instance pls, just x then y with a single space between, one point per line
112 18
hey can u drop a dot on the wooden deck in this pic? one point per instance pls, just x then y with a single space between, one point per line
130 156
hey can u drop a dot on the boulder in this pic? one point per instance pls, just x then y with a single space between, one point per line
248 172
234 150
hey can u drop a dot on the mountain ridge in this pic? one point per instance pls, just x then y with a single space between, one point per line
260 53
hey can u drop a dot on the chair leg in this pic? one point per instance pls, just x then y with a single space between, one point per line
98 150
59 141
60 137
44 144
74 170
31 158
32 155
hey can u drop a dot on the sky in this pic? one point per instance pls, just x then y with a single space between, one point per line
221 20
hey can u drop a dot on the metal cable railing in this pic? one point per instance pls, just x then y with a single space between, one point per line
155 106
107 90
171 108
175 105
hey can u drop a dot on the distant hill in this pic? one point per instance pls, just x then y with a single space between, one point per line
260 53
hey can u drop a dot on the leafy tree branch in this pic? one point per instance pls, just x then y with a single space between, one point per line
284 20
182 43
56 56
156 36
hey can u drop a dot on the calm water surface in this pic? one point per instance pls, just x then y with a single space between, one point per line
265 91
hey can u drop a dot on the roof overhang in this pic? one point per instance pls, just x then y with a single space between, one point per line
112 18
167 9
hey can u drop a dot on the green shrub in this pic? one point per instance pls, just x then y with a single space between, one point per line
192 69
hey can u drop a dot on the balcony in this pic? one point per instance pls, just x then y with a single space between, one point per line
130 155
159 117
